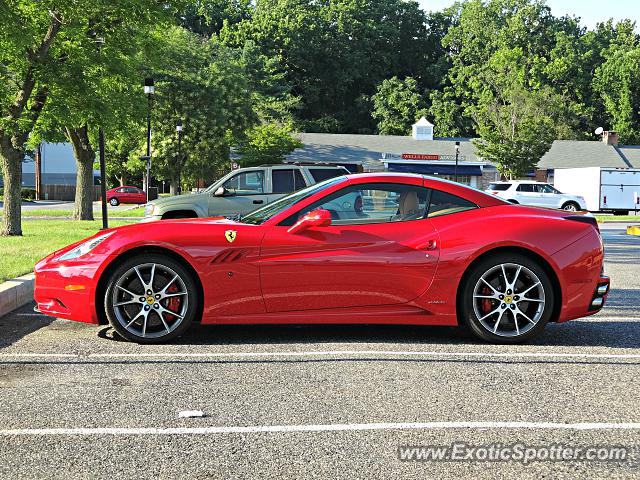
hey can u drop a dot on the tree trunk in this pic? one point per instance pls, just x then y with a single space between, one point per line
173 184
85 156
121 180
11 159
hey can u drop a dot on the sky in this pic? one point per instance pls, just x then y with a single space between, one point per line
590 11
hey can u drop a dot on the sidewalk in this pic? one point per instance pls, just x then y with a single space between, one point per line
16 292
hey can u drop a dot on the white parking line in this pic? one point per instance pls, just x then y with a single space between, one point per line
328 353
321 428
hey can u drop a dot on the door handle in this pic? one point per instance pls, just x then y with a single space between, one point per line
258 202
430 245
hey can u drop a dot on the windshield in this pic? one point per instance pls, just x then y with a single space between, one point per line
263 214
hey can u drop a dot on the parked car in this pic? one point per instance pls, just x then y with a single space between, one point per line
241 191
537 194
443 254
126 194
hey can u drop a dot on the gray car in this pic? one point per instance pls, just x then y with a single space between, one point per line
241 191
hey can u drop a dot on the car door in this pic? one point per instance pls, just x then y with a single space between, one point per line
527 194
245 192
139 196
549 197
375 252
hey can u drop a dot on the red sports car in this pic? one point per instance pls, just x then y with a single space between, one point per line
369 248
126 194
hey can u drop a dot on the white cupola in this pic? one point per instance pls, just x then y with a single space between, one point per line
422 130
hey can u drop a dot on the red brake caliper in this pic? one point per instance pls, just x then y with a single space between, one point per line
174 302
486 302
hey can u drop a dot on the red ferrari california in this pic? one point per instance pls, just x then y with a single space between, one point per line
368 248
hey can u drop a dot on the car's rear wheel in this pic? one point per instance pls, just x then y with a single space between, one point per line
571 207
151 299
507 298
114 202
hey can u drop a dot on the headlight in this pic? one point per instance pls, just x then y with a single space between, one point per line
84 248
148 210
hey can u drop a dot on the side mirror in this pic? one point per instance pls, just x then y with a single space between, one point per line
221 192
317 218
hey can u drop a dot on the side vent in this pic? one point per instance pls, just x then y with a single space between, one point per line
227 256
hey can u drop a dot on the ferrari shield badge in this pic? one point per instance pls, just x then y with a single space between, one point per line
230 235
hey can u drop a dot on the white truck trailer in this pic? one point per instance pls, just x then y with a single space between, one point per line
615 190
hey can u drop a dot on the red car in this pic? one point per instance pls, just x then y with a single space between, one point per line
393 248
126 194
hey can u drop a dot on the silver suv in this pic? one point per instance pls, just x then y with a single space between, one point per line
537 194
241 191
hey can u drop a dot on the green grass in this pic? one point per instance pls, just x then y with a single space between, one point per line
618 218
41 237
134 213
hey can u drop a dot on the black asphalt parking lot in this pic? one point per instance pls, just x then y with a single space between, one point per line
321 401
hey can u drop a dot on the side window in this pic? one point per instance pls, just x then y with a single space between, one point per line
371 203
526 187
283 181
120 190
445 204
246 183
298 180
321 174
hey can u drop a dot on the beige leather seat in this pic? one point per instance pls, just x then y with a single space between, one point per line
408 206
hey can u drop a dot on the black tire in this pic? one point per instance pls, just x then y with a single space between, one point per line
114 202
467 309
571 207
165 268
621 212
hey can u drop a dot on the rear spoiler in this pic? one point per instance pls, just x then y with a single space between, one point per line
590 219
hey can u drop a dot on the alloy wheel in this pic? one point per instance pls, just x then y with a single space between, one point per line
508 300
150 300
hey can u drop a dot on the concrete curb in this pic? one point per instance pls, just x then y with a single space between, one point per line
16 292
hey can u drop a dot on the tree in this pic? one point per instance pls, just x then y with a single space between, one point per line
268 143
53 74
27 33
516 127
483 34
397 105
336 53
617 81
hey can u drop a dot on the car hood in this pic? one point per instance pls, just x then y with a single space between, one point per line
180 199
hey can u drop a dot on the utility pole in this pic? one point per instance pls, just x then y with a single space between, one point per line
103 179
38 180
179 162
149 89
455 170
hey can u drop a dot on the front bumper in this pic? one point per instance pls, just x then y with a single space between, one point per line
67 289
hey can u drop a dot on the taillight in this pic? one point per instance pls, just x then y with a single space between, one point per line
584 219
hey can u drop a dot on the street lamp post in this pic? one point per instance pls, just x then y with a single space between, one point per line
179 162
149 90
455 170
103 169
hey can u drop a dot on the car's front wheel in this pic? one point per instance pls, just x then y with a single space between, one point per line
507 298
151 299
114 202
